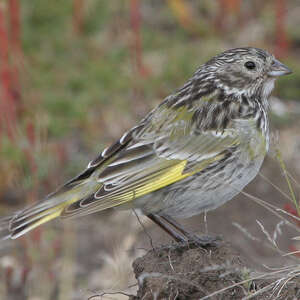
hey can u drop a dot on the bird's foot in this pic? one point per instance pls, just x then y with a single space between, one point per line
203 241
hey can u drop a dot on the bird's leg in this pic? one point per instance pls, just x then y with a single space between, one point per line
175 225
199 240
166 226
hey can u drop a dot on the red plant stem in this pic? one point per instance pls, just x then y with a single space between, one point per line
135 21
233 6
78 16
227 7
291 210
7 104
282 44
15 25
16 49
221 16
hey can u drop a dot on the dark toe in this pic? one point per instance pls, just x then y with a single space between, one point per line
204 240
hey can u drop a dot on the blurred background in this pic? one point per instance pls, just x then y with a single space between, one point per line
74 75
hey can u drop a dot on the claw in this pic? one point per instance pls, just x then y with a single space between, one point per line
204 241
180 235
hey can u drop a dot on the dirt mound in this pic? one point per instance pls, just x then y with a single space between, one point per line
189 272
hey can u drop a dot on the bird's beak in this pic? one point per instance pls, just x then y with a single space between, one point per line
278 69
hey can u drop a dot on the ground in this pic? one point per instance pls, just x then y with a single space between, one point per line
190 272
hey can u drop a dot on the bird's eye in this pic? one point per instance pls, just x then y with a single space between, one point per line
250 65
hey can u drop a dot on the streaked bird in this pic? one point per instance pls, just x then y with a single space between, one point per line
196 150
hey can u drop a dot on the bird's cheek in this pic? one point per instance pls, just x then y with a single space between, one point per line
268 87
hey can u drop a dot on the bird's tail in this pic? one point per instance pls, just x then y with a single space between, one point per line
52 207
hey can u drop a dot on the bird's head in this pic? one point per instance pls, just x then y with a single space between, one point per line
246 70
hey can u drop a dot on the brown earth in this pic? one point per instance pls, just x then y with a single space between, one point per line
190 272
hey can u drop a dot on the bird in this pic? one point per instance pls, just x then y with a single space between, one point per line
192 153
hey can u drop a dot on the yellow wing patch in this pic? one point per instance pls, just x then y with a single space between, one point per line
172 175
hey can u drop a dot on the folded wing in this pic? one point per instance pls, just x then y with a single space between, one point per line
166 149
